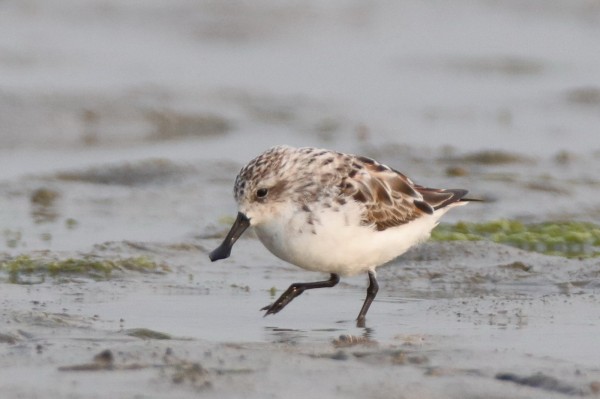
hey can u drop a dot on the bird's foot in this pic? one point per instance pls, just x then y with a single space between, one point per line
282 301
360 322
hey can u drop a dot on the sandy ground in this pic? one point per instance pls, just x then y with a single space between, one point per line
450 321
136 116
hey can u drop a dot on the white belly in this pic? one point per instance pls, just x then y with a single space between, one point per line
337 243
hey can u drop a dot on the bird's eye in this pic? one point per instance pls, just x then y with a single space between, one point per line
261 193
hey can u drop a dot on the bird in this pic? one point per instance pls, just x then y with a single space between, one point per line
331 212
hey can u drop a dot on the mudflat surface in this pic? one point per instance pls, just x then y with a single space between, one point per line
123 125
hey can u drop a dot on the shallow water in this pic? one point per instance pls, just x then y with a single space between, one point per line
133 120
546 320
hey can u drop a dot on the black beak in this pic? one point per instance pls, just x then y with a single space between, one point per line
224 250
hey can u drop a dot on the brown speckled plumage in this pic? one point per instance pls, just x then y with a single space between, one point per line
387 197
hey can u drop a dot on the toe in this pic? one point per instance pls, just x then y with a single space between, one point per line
273 308
266 307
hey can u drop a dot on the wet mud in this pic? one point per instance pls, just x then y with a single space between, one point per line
119 144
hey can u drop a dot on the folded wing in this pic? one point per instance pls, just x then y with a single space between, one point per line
389 197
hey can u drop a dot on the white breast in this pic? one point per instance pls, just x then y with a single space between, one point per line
336 242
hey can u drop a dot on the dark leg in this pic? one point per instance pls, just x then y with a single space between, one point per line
297 289
371 293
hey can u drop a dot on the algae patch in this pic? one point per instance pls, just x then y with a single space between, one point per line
132 174
568 239
24 269
145 333
492 157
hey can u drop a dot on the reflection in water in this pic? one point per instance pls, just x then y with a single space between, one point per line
285 335
368 333
296 336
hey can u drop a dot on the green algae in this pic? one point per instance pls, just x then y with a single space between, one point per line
145 333
568 239
44 197
13 238
23 268
273 291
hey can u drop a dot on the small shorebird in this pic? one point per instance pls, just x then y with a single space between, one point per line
331 212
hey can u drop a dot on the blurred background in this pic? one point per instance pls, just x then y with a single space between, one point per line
135 115
123 124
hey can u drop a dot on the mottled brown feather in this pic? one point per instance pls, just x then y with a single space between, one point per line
390 198
387 197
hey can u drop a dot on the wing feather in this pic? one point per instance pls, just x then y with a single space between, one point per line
389 197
